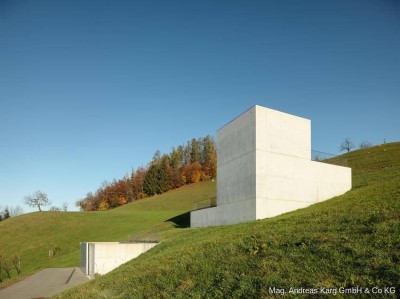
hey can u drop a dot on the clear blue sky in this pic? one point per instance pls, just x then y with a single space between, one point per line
90 89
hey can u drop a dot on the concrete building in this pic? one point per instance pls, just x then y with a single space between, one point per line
265 169
103 257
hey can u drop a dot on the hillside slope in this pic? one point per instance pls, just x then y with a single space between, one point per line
349 241
33 235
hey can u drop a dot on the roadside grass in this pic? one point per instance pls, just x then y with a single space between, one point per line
349 241
33 235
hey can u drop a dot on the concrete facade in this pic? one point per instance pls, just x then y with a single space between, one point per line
264 169
103 257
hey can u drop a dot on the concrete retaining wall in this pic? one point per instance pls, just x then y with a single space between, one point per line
103 257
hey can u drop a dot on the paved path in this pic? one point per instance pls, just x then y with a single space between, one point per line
44 283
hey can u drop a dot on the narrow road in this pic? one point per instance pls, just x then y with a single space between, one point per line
44 283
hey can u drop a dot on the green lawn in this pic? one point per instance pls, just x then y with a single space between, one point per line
33 235
351 240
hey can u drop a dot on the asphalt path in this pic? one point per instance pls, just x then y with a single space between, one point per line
44 283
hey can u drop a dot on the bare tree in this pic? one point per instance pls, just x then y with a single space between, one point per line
365 144
16 211
65 206
38 199
4 267
347 145
54 209
16 260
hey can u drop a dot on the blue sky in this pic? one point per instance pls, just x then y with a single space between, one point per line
90 89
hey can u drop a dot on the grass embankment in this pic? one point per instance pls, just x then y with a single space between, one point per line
348 241
33 235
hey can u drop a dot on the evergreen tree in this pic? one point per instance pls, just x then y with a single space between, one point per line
158 178
180 152
150 184
195 152
185 164
164 175
209 157
156 157
176 159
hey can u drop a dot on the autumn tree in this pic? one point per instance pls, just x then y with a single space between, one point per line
37 200
136 183
104 206
122 200
86 204
185 164
193 172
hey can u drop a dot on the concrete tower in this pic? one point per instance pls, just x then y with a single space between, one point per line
265 169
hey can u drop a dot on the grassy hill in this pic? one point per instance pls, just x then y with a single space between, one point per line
33 235
351 240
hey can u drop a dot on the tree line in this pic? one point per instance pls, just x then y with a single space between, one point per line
190 163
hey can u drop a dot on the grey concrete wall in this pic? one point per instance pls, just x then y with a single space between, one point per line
236 147
84 257
103 257
236 144
282 133
291 183
265 169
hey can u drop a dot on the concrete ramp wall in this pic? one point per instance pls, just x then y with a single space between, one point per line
103 257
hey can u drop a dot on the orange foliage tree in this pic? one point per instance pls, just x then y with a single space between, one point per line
196 161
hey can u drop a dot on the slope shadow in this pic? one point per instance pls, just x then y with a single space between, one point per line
181 221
